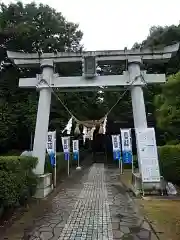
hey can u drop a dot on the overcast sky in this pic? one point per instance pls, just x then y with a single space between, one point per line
115 24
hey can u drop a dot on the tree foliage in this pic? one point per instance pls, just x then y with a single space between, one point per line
28 28
39 28
163 100
42 27
168 108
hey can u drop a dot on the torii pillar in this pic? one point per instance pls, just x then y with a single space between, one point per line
42 121
137 97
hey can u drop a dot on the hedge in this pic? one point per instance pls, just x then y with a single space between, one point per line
61 164
17 180
169 161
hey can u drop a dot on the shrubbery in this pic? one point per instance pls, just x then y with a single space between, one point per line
61 164
169 161
17 181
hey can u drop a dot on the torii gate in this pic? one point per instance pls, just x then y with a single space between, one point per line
88 81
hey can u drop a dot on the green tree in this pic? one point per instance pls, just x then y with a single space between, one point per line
160 37
29 28
168 108
46 30
42 27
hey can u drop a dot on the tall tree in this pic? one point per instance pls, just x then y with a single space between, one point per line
168 108
160 37
42 27
28 28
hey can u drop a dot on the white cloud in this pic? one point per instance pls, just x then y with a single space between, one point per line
115 24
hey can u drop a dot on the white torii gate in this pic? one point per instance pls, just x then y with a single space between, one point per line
87 82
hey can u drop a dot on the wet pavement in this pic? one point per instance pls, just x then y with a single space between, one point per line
95 207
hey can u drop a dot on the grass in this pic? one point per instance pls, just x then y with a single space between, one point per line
126 177
164 215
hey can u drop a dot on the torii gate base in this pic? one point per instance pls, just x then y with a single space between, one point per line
48 79
45 186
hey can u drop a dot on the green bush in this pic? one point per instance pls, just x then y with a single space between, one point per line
17 181
13 152
172 142
169 161
61 164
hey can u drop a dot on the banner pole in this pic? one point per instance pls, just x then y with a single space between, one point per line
68 164
78 160
121 167
78 167
119 163
132 164
54 177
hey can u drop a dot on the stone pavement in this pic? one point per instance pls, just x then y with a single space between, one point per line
97 207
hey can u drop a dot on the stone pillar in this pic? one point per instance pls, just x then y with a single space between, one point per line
42 121
139 112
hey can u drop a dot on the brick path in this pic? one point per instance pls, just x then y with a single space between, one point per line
97 207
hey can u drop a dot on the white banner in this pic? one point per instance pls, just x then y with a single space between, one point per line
68 126
75 146
116 143
104 125
147 155
66 144
91 133
126 139
51 142
84 134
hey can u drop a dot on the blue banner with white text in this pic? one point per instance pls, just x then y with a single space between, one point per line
127 157
52 158
117 155
75 156
126 146
66 156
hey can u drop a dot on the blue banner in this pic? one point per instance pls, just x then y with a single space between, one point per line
75 156
52 158
66 156
117 155
127 157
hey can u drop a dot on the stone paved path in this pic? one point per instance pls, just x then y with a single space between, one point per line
98 207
